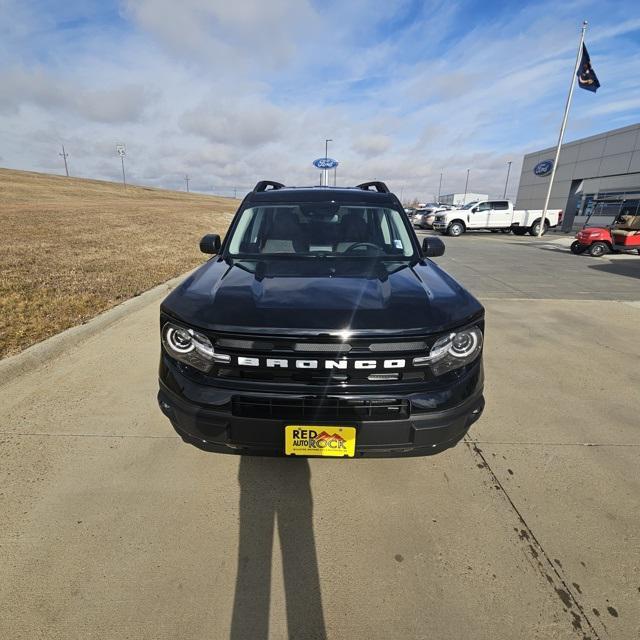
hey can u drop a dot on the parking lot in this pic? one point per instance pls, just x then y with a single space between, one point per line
113 528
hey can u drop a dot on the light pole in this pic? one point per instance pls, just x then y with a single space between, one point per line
440 187
122 151
506 182
326 151
466 185
186 179
65 155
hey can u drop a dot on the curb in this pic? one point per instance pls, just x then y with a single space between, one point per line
44 352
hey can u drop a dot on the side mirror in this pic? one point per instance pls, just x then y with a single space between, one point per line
475 210
432 247
210 243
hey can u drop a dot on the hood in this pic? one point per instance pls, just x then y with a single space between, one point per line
312 296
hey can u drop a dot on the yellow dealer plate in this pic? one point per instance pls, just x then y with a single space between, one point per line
319 441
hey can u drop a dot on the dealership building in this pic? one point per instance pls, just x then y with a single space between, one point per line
595 175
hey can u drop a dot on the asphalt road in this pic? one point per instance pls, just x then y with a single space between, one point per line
113 528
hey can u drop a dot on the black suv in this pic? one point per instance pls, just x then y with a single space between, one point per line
321 328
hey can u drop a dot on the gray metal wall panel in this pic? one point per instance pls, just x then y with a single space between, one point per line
619 143
592 149
611 165
587 168
634 165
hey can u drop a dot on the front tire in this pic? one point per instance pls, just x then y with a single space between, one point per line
598 249
578 248
455 229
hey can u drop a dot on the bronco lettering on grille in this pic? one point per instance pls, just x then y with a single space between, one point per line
284 363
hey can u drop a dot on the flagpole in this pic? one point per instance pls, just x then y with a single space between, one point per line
562 128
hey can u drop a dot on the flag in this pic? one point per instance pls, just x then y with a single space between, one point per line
587 78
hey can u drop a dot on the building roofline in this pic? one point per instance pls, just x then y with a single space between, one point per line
604 134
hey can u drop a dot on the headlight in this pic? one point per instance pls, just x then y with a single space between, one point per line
190 347
452 351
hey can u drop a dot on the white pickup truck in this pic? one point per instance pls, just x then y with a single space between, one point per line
496 215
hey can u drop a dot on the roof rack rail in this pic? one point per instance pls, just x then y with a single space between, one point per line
263 184
380 187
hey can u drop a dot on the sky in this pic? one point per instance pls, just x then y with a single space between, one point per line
232 92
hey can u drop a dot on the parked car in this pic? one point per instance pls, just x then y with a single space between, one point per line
320 327
424 218
495 215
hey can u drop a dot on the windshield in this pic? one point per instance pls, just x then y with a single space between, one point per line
470 205
320 229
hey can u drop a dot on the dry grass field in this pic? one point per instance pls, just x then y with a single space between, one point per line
71 248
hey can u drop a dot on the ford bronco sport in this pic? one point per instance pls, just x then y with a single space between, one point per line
320 327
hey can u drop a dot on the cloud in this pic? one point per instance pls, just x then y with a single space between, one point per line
372 144
225 121
126 103
234 92
219 33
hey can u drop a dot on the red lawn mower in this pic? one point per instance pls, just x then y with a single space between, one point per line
621 237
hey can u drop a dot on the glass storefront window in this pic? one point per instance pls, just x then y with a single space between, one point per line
610 203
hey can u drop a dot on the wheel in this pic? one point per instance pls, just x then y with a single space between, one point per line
507 230
536 227
598 249
455 229
578 248
519 231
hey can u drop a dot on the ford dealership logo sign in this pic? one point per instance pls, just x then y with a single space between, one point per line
543 168
325 163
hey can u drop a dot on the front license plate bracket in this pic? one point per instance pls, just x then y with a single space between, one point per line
319 440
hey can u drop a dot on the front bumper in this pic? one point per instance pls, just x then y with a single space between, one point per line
439 226
203 416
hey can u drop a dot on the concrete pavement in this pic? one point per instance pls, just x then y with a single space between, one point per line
113 528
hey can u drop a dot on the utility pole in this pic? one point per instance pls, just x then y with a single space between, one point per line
507 180
186 179
440 187
466 185
65 155
122 152
235 193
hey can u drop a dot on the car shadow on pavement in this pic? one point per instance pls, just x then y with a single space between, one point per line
629 267
276 491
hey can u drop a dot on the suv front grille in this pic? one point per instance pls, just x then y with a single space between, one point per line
316 409
321 360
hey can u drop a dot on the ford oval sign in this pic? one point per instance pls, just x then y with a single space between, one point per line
543 168
325 163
